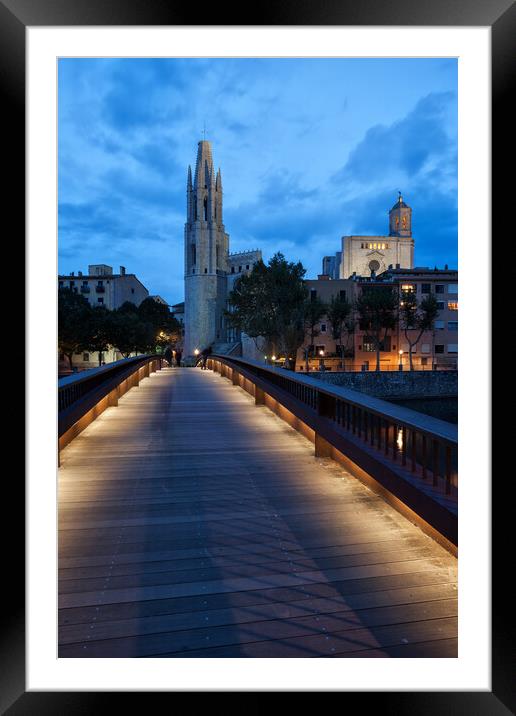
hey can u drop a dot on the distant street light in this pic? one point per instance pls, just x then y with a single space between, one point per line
400 367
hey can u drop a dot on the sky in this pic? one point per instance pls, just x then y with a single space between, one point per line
310 150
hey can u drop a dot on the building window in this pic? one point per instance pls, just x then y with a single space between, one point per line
425 288
440 305
205 270
239 269
439 348
369 345
453 288
86 357
453 347
205 205
439 287
342 294
408 288
318 349
100 300
247 267
323 327
453 325
425 348
232 269
453 306
72 284
424 361
61 284
194 254
439 325
132 290
313 294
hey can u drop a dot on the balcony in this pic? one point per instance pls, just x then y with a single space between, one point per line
85 289
100 289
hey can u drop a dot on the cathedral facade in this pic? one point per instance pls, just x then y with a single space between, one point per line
362 255
210 270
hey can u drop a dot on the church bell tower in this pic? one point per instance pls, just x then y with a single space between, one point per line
206 251
400 219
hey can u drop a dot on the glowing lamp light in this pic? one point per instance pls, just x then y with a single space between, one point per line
321 353
273 357
196 352
401 353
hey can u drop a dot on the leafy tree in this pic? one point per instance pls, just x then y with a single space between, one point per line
414 317
125 329
265 304
74 318
166 328
313 311
99 330
377 308
339 316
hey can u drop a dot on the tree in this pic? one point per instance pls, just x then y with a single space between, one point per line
416 318
313 310
99 330
265 304
125 329
167 329
377 308
74 319
339 317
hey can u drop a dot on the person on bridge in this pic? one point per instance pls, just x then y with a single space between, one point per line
178 357
168 355
204 357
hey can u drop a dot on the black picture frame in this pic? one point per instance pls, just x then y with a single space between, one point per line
15 17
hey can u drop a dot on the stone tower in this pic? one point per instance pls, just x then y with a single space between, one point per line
400 219
206 252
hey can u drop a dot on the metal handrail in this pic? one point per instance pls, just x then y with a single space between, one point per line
420 445
78 393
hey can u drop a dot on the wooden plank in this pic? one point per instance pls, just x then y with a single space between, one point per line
74 633
256 597
286 637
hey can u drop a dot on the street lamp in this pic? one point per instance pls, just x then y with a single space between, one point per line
400 367
321 360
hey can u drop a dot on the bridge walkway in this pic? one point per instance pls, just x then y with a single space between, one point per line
194 524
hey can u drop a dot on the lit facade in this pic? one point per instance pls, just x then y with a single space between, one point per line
437 348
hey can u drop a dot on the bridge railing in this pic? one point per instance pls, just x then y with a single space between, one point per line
412 455
82 397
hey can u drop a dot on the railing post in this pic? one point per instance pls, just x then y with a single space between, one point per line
234 377
259 396
325 405
448 469
322 447
113 397
435 469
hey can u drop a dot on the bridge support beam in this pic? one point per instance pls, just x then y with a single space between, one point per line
322 447
234 377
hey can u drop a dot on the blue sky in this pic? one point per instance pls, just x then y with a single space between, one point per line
309 149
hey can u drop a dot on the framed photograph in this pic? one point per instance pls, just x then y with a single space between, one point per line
322 122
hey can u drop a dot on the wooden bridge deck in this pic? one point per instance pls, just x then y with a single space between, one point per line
194 524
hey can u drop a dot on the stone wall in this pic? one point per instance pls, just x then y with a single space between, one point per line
392 384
